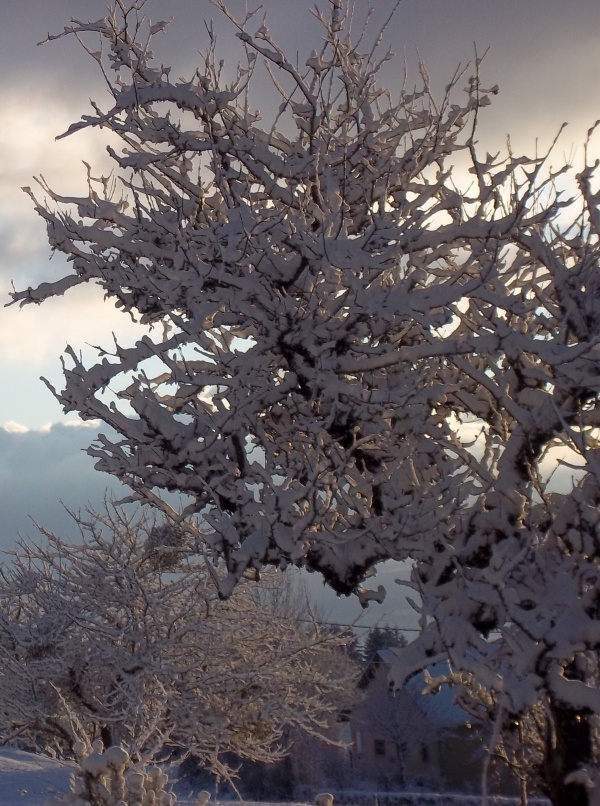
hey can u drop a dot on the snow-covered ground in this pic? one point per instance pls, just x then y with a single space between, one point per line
27 779
30 780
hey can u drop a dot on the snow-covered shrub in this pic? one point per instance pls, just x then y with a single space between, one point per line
104 778
97 640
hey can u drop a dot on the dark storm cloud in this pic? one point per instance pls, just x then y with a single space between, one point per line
543 54
44 473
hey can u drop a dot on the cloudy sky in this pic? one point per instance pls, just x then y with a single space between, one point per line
544 54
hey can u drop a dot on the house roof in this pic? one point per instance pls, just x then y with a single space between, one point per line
440 707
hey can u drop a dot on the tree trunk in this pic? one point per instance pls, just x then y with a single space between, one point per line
521 773
106 736
568 748
522 792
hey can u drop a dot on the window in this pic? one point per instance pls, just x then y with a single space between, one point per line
379 747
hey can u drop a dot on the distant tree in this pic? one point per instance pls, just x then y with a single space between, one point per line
123 638
357 354
381 638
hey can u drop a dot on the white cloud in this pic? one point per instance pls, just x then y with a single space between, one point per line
34 335
16 428
32 339
31 120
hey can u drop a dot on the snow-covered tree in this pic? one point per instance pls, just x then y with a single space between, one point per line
99 641
339 315
525 742
285 265
518 616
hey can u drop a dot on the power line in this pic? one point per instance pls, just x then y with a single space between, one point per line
352 626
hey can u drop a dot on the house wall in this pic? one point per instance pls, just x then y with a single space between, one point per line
407 738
